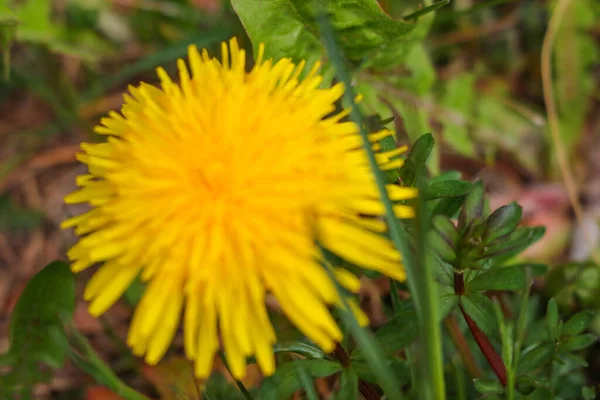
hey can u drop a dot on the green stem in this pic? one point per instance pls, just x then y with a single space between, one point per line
420 277
240 384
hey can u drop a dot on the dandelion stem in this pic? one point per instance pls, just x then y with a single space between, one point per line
420 277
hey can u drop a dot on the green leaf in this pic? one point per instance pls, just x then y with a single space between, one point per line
36 332
219 388
85 357
348 386
503 221
447 299
449 188
307 384
446 230
133 294
426 10
277 24
578 342
459 97
8 28
536 357
400 368
505 248
578 323
305 349
507 278
36 326
486 386
448 206
525 385
13 217
472 210
396 334
552 319
363 31
481 309
588 393
414 165
286 378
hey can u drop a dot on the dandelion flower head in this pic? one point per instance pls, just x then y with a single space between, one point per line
212 189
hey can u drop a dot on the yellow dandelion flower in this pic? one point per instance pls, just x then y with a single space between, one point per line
212 190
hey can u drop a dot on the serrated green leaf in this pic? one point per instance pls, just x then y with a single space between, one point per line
481 309
364 32
503 221
36 326
578 323
348 386
536 357
578 342
286 378
486 386
507 278
277 24
448 188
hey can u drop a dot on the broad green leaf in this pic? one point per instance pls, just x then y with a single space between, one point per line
398 333
448 206
447 188
579 342
36 332
507 278
447 300
481 309
363 31
36 326
442 248
536 357
503 221
277 24
577 323
348 386
286 378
